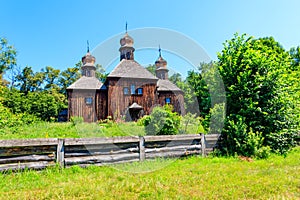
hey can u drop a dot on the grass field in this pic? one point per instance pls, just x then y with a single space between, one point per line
191 178
81 130
69 130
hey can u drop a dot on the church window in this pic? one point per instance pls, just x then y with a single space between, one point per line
140 91
126 90
88 100
132 89
168 100
88 73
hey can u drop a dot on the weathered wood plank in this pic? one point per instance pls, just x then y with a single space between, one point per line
172 154
100 159
30 165
91 153
203 145
176 148
101 147
105 164
60 154
28 142
29 150
157 138
142 149
158 144
93 141
30 158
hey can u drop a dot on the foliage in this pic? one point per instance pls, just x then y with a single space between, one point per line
259 88
7 57
10 120
76 120
191 178
162 121
151 69
238 139
190 124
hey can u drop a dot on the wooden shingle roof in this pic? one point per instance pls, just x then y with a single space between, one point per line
131 69
86 83
166 85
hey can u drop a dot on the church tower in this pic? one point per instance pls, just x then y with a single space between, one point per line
161 67
88 64
126 49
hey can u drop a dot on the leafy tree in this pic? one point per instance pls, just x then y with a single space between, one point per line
201 92
258 82
175 78
69 76
162 121
51 78
28 81
151 68
7 57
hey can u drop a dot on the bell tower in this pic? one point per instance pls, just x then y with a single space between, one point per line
88 64
126 49
161 67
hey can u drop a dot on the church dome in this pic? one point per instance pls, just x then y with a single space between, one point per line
160 61
126 40
88 59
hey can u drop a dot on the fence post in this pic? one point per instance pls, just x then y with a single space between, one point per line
60 153
142 148
203 147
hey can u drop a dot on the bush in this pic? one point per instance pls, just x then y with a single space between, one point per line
236 138
282 142
162 121
190 124
76 120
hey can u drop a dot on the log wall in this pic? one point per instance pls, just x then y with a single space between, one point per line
118 102
41 153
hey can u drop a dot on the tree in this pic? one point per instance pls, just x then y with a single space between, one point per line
28 81
51 78
162 121
175 78
7 57
69 76
151 69
255 73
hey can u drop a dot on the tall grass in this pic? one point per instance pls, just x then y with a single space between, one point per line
191 178
70 130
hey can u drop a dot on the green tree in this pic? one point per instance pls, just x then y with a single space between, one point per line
257 83
7 58
162 121
69 76
151 68
51 78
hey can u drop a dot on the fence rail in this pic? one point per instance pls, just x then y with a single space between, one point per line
41 153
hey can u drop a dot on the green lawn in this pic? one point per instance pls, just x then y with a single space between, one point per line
191 178
68 130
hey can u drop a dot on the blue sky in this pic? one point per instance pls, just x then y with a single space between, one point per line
54 33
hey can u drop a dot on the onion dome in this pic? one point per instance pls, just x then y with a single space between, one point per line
160 62
126 41
88 59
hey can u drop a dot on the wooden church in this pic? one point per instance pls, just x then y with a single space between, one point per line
130 91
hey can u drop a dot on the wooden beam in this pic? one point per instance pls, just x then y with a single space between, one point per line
203 145
91 141
142 149
28 142
60 154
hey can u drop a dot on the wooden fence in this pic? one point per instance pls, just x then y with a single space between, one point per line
41 153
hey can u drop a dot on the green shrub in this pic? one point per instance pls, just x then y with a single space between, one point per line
282 142
162 121
263 153
190 124
237 138
76 120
